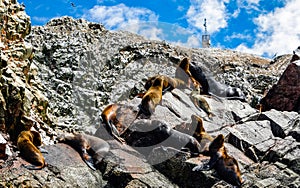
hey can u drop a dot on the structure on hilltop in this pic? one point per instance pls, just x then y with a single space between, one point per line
205 37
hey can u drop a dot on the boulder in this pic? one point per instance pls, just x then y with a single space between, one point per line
282 123
285 95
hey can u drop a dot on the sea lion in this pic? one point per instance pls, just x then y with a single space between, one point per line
183 73
196 129
27 143
109 118
226 166
92 149
168 83
164 135
200 102
200 134
152 97
199 76
224 91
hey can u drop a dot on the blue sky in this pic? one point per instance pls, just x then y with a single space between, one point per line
262 27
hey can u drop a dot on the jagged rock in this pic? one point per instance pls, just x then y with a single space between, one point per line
248 136
282 123
258 142
178 170
285 95
21 104
124 166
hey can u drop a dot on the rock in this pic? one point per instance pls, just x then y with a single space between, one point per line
282 123
179 171
61 159
19 100
124 167
285 95
249 136
3 146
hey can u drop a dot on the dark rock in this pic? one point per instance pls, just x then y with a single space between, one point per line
285 95
125 166
179 171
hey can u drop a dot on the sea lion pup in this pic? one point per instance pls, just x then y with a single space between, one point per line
226 166
168 83
200 102
27 143
152 97
184 74
92 149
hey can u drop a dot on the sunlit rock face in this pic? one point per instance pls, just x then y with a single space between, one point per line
22 101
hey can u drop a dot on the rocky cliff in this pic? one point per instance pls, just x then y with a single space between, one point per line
59 77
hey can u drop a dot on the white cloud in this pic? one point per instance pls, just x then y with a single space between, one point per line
277 32
40 19
150 31
213 10
118 16
180 8
237 36
193 41
245 5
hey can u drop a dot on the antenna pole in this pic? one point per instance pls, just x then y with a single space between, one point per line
205 26
205 37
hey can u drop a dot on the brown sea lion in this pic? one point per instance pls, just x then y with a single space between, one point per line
226 166
152 97
200 102
27 143
200 134
92 149
184 74
196 129
168 83
111 122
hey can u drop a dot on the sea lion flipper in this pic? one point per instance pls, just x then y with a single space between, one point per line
87 158
166 89
90 163
140 95
32 167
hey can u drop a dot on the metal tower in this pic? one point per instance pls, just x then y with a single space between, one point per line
205 37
